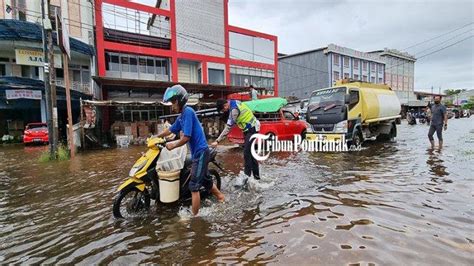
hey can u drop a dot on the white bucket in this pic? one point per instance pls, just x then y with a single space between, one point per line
169 186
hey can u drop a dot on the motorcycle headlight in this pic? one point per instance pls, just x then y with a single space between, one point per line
341 127
137 168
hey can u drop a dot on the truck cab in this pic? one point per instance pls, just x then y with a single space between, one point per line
355 110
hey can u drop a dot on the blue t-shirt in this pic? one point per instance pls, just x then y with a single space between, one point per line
188 122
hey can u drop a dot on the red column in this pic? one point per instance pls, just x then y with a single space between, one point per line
226 42
204 72
174 46
275 80
99 31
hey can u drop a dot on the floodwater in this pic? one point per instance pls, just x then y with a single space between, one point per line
391 203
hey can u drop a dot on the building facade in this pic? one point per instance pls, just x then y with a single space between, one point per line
399 69
21 60
302 73
182 42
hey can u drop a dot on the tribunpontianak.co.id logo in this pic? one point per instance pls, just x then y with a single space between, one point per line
262 146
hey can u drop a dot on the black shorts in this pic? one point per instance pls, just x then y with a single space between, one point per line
199 175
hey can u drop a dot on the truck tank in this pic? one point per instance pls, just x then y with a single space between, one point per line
378 103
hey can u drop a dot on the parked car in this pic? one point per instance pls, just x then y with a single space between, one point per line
36 133
282 123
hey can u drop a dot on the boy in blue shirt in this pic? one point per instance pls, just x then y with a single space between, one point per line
193 133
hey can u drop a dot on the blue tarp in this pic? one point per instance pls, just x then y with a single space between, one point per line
18 30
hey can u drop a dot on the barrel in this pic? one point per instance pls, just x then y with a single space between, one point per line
169 185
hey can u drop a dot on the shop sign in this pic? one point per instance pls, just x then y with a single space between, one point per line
35 58
23 94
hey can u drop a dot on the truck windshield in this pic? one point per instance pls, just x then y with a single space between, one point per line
328 96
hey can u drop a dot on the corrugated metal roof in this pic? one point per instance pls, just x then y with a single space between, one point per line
18 30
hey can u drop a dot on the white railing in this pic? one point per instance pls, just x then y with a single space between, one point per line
76 85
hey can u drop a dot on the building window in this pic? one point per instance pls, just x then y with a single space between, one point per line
335 59
356 77
335 75
216 76
380 80
364 78
372 79
380 68
372 67
346 61
356 63
364 65
3 70
133 64
346 75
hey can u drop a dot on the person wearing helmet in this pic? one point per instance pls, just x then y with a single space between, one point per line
240 114
192 133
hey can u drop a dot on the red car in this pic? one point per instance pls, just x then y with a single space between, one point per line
36 133
282 124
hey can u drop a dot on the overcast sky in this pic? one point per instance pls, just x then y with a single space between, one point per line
370 25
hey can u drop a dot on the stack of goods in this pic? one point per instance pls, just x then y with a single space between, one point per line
16 128
212 127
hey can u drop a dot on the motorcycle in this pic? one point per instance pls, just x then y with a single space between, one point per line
142 186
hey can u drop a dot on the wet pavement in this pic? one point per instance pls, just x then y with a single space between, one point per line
391 203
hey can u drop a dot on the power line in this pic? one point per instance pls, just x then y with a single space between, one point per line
439 36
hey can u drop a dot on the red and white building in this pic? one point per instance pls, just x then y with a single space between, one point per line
178 41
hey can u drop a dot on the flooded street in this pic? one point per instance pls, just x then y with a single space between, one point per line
391 203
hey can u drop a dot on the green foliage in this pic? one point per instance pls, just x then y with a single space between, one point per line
62 155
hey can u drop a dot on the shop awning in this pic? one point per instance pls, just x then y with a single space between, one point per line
191 102
220 90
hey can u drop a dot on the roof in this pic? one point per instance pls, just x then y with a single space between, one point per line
190 87
12 83
302 53
18 30
394 53
424 93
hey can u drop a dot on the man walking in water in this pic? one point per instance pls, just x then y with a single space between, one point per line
439 119
239 114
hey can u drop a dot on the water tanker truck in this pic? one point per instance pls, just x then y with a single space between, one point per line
354 109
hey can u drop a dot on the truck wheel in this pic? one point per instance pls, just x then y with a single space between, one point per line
357 139
390 136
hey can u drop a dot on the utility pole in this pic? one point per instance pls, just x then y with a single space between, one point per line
52 80
47 88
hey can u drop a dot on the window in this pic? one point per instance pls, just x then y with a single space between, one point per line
372 79
59 73
364 78
86 76
112 62
142 64
353 98
346 75
150 66
288 115
372 66
364 65
335 59
346 61
335 75
380 68
356 77
356 63
216 76
25 71
3 70
133 64
380 80
125 62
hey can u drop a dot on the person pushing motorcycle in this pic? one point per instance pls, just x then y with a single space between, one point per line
240 114
192 133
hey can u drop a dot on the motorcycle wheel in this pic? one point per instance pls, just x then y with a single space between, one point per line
131 202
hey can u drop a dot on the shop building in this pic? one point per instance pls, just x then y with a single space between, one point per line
302 73
22 98
145 46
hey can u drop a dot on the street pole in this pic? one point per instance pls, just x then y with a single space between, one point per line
47 88
52 79
68 102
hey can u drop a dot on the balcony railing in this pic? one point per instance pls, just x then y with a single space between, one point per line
76 85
